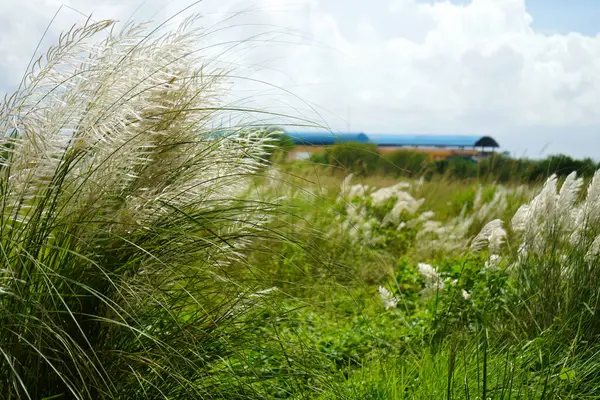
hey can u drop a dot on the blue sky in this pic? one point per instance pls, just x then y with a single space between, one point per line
565 16
559 16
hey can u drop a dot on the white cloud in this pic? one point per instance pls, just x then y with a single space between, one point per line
399 65
477 68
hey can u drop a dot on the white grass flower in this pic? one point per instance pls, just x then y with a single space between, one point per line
123 186
519 220
404 203
568 193
358 190
433 282
478 200
105 119
587 215
493 262
433 289
496 239
593 251
432 227
264 292
429 273
426 216
346 185
492 236
554 218
274 178
388 299
466 295
382 195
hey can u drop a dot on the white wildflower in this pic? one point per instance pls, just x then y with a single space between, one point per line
555 215
592 201
274 178
388 300
466 295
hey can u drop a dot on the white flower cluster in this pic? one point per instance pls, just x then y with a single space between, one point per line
432 235
453 235
359 222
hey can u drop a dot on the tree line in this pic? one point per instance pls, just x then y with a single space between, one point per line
365 159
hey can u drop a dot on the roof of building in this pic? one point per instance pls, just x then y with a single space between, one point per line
326 138
433 140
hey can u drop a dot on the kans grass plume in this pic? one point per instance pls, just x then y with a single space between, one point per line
120 205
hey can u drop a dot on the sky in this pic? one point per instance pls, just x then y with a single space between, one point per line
526 72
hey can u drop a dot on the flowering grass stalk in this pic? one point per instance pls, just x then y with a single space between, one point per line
121 210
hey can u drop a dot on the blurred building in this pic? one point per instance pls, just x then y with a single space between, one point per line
437 146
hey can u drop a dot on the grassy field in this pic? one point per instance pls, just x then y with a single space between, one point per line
148 250
414 289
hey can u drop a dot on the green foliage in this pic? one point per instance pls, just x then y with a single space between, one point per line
361 158
489 332
365 159
404 163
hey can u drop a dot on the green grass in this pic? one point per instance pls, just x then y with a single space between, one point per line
494 345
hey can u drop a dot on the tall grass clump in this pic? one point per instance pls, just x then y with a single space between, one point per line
120 213
558 255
